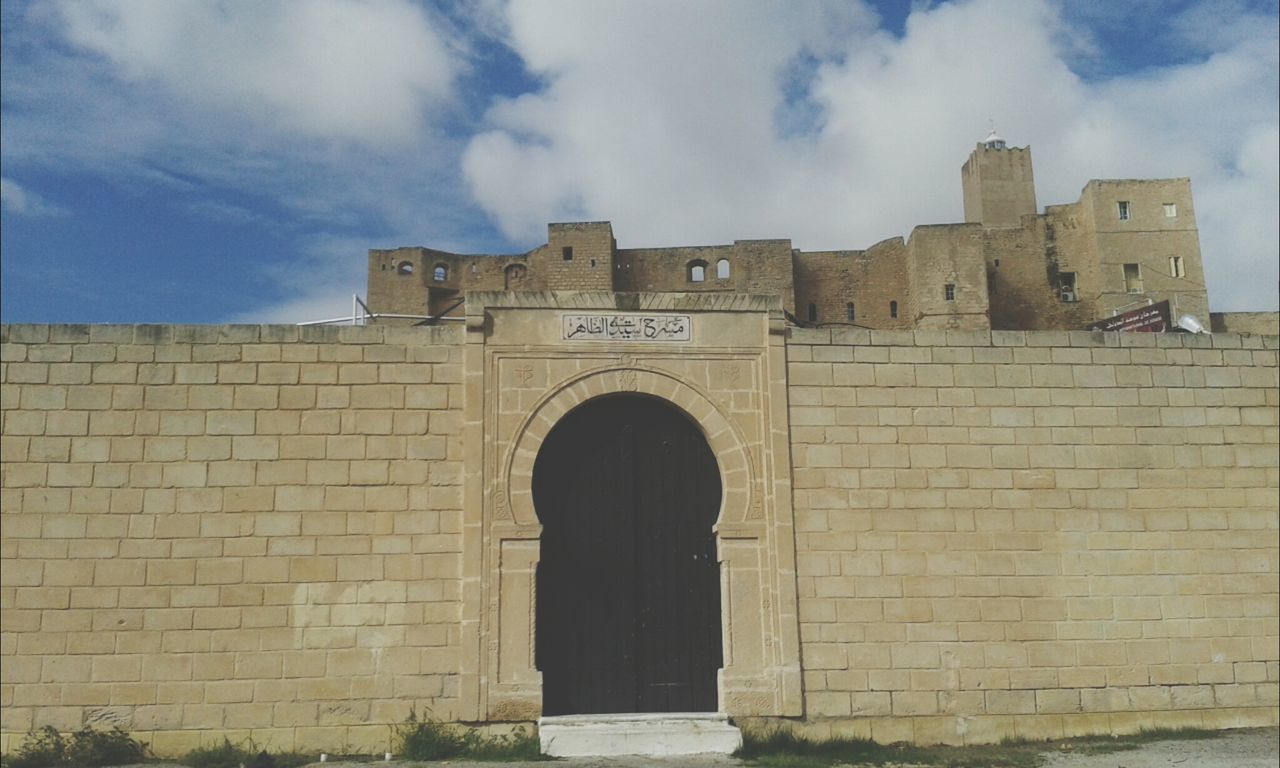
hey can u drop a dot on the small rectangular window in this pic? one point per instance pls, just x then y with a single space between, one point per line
1176 267
566 253
1122 208
950 291
1170 210
1132 278
1067 286
893 309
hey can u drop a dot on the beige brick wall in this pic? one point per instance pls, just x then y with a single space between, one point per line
1008 533
999 186
1147 238
1266 323
242 530
214 531
1006 275
590 246
1025 266
416 291
869 280
948 254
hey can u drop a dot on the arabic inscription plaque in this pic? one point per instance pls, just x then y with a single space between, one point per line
610 327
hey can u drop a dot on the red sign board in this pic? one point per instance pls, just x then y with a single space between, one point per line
1153 318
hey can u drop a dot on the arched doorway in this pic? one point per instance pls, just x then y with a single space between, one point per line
628 586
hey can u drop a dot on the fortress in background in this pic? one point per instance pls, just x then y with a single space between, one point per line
1123 244
642 497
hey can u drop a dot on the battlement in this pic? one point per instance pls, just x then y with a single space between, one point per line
1006 266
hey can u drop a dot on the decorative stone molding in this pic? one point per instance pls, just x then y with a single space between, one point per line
729 381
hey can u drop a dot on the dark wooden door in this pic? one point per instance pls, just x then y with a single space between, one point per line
628 616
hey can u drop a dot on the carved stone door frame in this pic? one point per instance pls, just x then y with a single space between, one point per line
521 378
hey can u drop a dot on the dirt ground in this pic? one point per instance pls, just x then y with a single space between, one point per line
1252 748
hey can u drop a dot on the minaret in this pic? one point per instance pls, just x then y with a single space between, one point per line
999 188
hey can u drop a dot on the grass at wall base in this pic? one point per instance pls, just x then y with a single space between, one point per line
425 740
47 748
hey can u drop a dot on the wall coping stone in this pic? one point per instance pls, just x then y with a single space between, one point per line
1106 339
146 333
479 301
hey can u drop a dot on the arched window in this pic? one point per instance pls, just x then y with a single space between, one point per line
893 309
722 269
441 272
513 276
404 268
697 271
848 312
813 312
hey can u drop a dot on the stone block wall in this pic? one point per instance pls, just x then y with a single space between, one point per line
233 531
755 267
403 281
874 281
667 269
224 531
1148 238
1025 268
998 185
578 256
1034 534
398 280
1263 323
942 255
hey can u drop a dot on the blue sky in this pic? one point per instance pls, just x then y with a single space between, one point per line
218 161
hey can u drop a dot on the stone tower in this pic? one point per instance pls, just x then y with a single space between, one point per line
999 188
578 256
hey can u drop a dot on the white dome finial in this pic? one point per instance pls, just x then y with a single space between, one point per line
993 140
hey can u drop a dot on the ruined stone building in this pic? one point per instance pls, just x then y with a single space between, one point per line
630 490
1123 244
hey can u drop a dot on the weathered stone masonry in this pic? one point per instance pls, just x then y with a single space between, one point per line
234 531
216 530
1123 244
1035 533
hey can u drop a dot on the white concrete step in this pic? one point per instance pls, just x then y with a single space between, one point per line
664 733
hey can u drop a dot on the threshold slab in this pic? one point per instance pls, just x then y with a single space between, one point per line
654 735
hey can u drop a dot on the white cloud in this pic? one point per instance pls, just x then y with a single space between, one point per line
649 108
315 286
336 114
682 122
662 118
21 202
309 306
362 70
333 109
